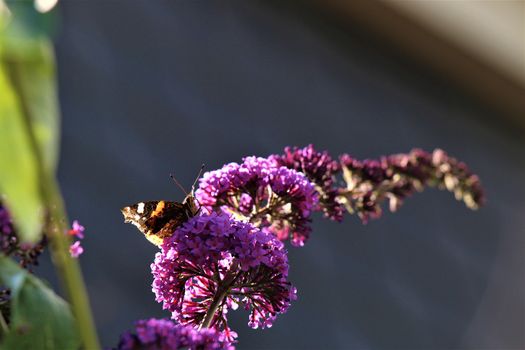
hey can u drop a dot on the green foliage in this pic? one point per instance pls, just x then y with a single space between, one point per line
29 139
19 171
29 124
40 319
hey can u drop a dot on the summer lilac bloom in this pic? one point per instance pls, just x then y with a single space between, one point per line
260 191
26 254
398 176
76 249
456 177
232 253
319 168
155 334
213 263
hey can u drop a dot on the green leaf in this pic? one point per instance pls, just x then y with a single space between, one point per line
34 82
27 24
28 56
29 117
18 166
40 319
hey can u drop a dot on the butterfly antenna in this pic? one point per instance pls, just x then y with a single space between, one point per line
197 178
178 184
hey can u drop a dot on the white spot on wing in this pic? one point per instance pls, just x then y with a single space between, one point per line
126 211
140 208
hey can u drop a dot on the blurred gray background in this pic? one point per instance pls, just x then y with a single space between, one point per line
150 88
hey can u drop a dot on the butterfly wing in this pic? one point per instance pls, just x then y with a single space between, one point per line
156 219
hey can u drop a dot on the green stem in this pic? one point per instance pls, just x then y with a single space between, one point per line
223 288
3 324
214 306
68 269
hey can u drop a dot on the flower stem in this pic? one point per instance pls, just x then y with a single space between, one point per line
3 324
223 288
217 301
68 268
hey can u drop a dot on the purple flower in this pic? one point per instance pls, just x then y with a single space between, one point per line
76 249
162 334
319 168
259 191
213 263
26 254
76 230
9 240
6 226
456 177
393 178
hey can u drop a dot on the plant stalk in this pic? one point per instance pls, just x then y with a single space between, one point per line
68 269
3 324
223 288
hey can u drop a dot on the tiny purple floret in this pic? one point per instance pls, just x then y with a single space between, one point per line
76 249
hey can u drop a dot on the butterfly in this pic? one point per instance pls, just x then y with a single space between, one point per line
157 220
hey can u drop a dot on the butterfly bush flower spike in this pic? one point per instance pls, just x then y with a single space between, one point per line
162 334
319 168
230 251
396 177
212 264
260 191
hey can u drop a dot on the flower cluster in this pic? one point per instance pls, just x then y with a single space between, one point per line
395 177
155 334
232 253
76 231
455 176
26 254
213 263
259 191
320 169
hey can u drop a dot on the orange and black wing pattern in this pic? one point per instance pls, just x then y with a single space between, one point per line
156 219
